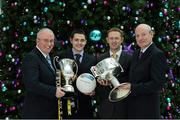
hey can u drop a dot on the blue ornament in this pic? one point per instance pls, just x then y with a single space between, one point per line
159 39
25 39
160 14
45 9
66 41
4 88
31 33
2 16
95 35
168 100
52 1
60 3
7 27
24 23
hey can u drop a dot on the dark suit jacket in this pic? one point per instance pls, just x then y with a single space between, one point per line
84 108
147 76
107 109
39 79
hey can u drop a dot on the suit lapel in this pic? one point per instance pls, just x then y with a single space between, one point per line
135 60
147 52
39 54
106 55
83 59
70 54
145 55
122 58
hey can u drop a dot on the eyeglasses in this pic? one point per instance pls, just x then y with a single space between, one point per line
47 40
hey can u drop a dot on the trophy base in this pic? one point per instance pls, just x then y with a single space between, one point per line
68 88
118 93
69 94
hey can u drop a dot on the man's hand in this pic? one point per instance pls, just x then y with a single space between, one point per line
126 86
59 92
104 82
90 94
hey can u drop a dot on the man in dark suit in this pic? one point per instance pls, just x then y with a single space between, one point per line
39 79
147 75
106 108
83 101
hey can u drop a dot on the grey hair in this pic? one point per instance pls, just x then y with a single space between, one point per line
43 30
151 30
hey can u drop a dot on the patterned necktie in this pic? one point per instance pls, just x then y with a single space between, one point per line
140 54
78 56
49 61
114 55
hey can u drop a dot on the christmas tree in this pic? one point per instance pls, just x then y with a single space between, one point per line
21 19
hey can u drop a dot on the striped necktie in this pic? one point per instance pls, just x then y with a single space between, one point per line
114 55
49 61
140 54
77 59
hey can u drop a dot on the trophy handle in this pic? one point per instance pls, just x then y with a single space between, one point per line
122 70
55 60
58 84
93 70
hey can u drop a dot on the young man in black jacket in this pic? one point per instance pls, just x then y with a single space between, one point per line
83 102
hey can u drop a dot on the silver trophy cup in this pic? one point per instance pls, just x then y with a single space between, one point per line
69 69
104 70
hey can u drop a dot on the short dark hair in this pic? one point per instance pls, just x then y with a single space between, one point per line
77 31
